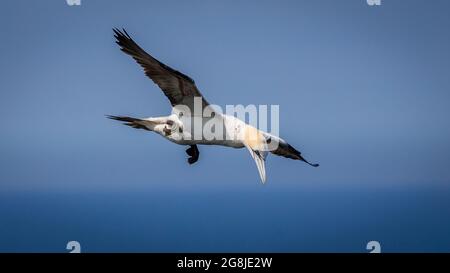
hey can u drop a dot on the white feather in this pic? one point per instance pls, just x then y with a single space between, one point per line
259 158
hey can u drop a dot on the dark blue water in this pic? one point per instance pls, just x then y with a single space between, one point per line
260 220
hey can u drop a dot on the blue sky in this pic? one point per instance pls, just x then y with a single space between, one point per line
364 91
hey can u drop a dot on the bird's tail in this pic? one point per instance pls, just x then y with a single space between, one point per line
132 122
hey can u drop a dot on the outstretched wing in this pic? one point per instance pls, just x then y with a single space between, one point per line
178 88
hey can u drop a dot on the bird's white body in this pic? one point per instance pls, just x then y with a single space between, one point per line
235 133
232 134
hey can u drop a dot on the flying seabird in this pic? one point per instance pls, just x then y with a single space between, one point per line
179 127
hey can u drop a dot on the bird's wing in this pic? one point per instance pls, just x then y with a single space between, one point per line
178 88
260 158
282 148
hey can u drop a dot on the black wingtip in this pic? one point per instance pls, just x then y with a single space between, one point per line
111 117
121 34
116 32
126 33
121 118
307 162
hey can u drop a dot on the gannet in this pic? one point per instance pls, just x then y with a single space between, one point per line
180 127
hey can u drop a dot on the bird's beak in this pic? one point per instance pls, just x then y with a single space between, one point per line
167 131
